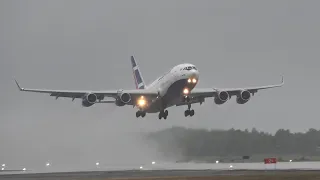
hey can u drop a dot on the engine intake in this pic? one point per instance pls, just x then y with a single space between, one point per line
243 97
222 97
89 99
125 97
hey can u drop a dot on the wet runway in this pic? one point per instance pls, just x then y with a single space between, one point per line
143 174
163 170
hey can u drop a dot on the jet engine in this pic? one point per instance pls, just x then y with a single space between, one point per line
119 102
89 99
243 97
125 97
222 97
122 99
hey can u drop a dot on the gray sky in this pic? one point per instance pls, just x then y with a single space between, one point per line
86 45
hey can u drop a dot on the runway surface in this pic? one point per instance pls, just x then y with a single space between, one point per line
167 170
162 174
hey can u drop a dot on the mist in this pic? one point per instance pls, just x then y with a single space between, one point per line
86 45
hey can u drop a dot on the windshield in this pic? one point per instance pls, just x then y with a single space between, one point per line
189 68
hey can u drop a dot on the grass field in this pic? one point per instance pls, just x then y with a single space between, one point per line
293 175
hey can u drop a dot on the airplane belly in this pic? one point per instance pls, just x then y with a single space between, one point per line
170 93
170 97
175 89
154 107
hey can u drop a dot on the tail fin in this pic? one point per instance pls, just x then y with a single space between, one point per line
138 79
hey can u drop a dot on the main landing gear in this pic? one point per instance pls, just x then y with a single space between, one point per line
140 113
163 114
189 112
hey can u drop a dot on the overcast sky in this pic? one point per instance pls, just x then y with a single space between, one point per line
86 45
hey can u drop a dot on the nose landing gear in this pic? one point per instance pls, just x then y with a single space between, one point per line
189 112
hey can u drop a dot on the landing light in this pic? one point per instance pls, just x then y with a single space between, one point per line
186 91
194 80
189 80
142 102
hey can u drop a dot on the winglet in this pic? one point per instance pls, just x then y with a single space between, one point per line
21 89
282 80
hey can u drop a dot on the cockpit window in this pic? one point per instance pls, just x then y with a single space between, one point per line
189 68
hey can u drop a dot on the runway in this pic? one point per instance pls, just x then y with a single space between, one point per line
166 174
173 171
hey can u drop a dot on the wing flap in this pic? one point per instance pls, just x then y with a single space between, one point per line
67 95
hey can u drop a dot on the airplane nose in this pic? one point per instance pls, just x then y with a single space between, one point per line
195 73
193 76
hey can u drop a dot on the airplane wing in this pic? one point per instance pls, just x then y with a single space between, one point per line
134 93
199 94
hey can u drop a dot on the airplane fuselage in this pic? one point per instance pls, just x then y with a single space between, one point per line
173 86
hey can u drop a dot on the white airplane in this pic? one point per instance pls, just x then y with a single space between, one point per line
174 88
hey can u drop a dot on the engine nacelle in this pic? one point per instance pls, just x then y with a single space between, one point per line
125 97
118 102
222 97
89 99
243 97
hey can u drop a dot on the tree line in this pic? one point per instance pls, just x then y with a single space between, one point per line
186 142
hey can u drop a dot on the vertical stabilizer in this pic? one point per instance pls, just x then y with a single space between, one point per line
138 79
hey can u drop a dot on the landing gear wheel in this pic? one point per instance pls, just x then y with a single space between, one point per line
138 114
191 112
163 114
186 113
